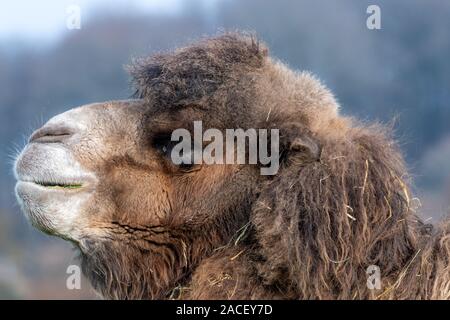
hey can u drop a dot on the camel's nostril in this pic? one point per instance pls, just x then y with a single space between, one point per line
49 134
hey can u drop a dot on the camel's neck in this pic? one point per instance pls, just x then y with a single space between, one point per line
426 274
423 274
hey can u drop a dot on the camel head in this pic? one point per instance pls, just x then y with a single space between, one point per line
102 176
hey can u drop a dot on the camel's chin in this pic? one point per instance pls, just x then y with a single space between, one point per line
53 210
27 193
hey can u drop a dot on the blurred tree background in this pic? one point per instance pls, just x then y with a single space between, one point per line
400 72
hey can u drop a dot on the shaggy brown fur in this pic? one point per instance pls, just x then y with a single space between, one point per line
339 203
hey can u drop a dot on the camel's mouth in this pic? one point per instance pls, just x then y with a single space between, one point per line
59 185
44 187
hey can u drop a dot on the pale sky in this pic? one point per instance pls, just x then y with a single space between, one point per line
46 19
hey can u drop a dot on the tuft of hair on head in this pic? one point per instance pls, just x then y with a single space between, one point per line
194 72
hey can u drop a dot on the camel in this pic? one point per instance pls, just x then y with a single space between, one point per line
101 177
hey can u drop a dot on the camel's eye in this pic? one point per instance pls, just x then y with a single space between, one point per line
164 145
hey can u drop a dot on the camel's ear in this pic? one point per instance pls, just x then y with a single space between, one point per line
306 146
299 143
